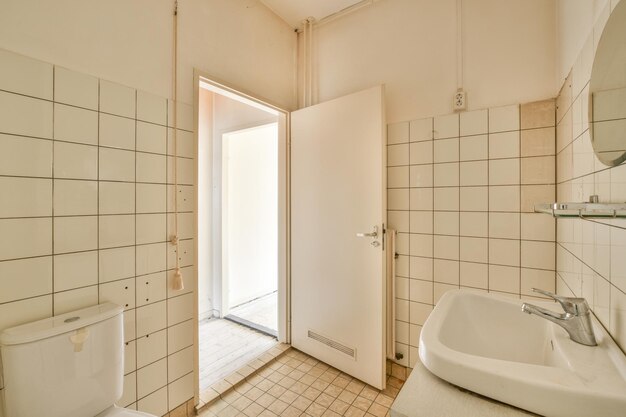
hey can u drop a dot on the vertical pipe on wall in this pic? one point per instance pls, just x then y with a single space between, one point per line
307 43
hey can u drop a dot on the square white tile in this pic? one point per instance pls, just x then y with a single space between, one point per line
117 197
24 75
446 126
151 108
73 124
151 348
502 119
446 175
151 138
117 165
25 278
397 133
474 198
117 132
473 148
24 238
151 168
474 173
504 145
25 116
116 231
75 88
397 155
504 172
75 161
120 292
446 150
25 197
446 198
73 234
151 258
75 270
117 263
421 129
151 228
151 288
71 300
117 99
421 153
474 122
151 198
75 197
28 157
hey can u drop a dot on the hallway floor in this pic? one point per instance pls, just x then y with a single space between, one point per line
262 312
225 347
299 385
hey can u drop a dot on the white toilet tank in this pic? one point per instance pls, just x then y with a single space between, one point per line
70 365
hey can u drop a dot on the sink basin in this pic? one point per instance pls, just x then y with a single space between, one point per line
484 343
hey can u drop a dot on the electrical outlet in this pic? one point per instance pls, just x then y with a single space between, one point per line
460 100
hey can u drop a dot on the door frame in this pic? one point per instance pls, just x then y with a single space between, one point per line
284 209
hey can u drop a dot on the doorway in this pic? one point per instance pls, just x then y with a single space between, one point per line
242 230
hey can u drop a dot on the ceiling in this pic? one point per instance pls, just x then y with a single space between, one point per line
295 11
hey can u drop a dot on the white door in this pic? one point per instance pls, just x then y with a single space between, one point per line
337 192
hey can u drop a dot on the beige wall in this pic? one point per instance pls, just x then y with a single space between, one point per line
130 42
590 254
410 45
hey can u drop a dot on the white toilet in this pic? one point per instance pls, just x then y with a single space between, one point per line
71 365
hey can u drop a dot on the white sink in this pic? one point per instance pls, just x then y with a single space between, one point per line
484 343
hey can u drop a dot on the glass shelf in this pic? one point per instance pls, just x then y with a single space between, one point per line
582 210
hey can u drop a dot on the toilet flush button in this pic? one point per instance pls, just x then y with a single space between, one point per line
79 338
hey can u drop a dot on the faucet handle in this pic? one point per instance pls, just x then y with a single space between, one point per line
572 305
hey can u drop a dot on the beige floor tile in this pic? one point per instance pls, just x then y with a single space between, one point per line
339 406
301 403
354 412
362 403
311 393
278 407
291 412
324 400
369 392
265 385
347 396
384 400
299 387
333 390
315 410
355 386
276 391
288 396
308 379
378 410
330 413
254 393
253 410
341 382
242 403
320 385
265 400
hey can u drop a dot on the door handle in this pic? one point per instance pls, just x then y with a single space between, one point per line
373 235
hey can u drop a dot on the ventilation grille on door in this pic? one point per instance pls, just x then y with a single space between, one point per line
333 344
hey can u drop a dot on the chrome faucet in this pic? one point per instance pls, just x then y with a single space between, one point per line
576 320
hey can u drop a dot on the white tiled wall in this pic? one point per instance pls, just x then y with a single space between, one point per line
590 254
461 190
86 202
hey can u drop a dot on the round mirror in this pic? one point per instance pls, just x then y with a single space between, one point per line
607 91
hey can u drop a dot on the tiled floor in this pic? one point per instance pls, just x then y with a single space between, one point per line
299 385
225 347
263 312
